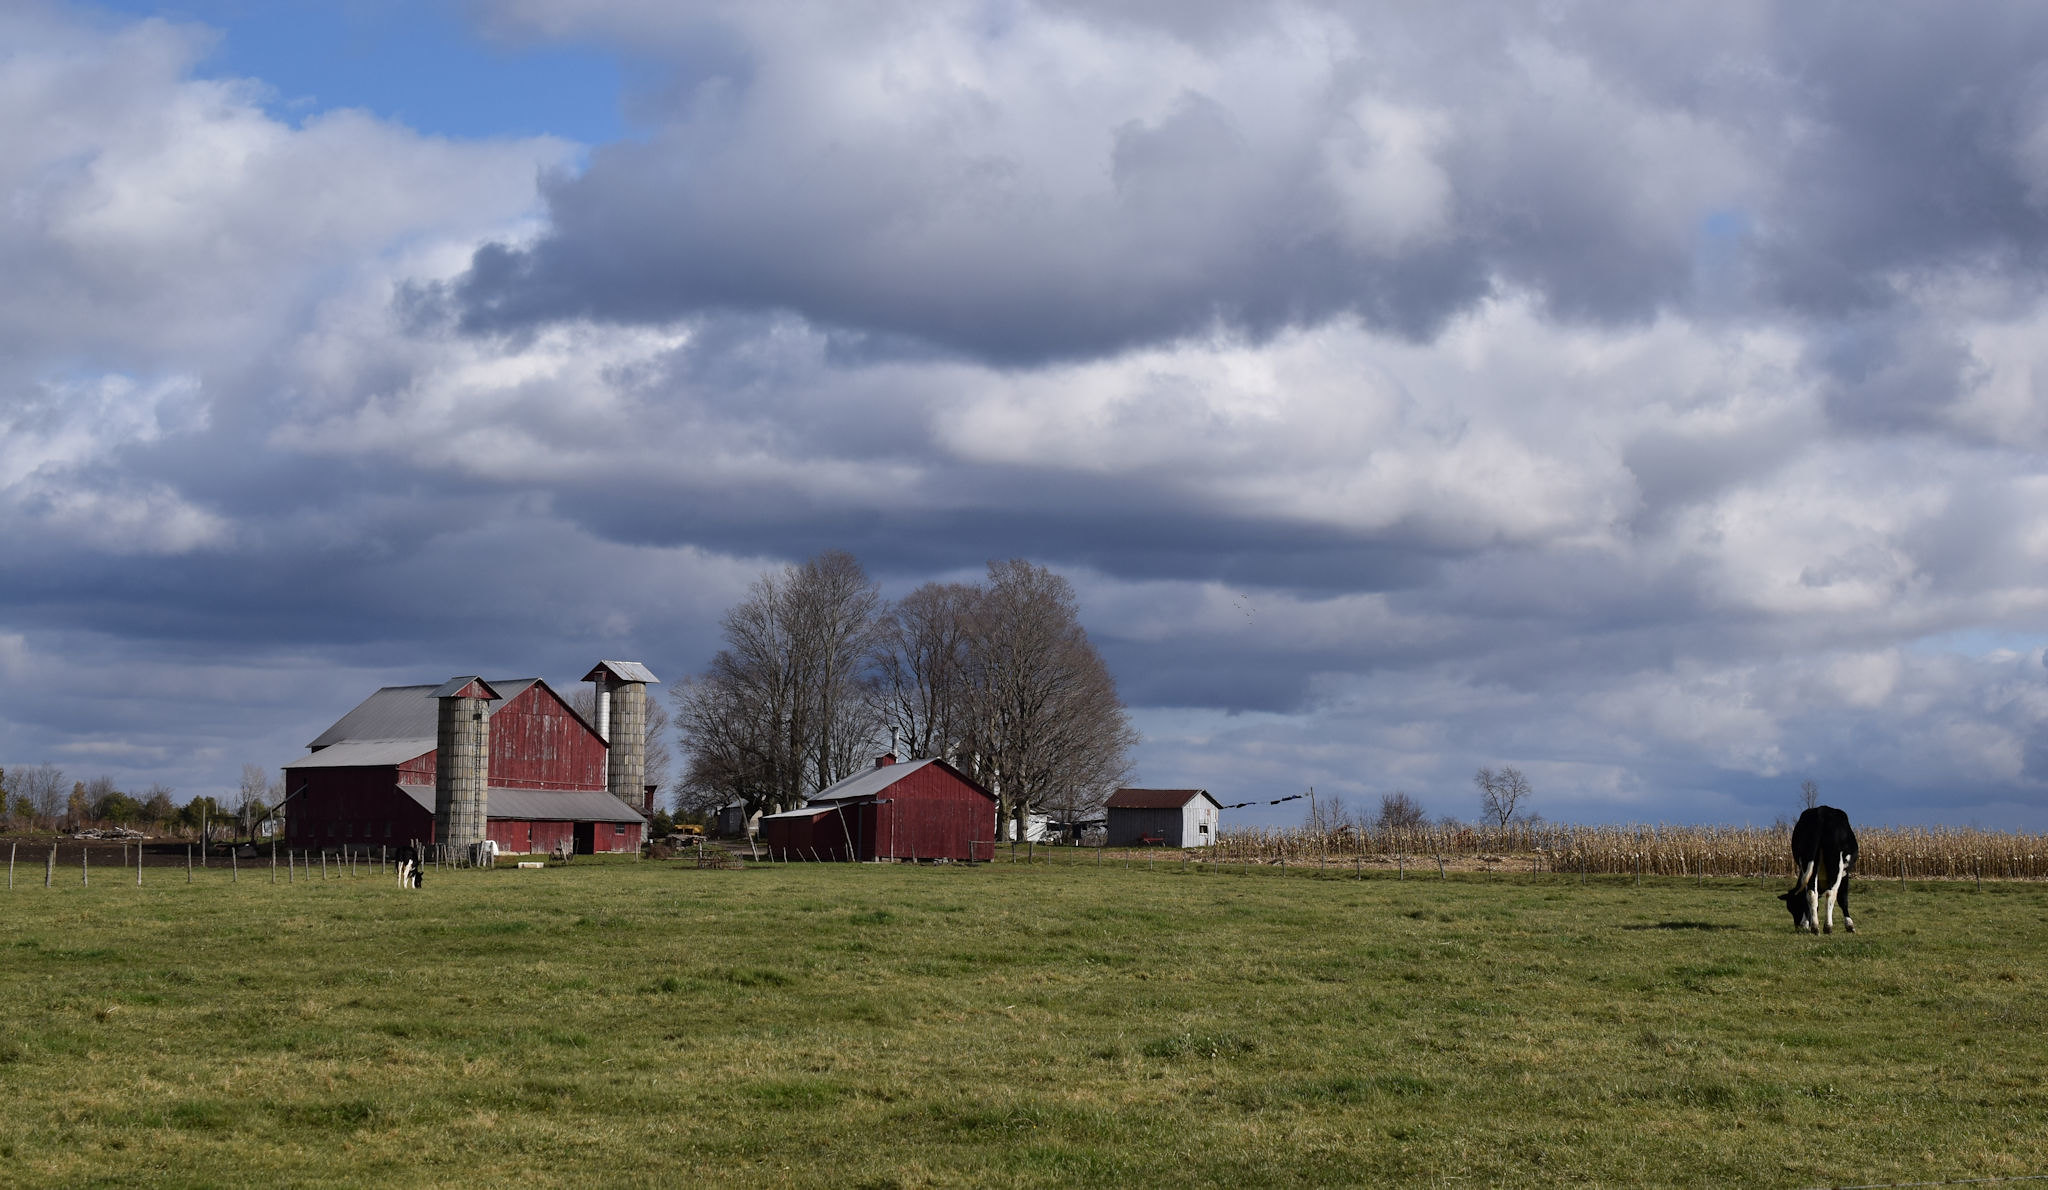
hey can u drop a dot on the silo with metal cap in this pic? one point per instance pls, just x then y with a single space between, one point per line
462 762
622 721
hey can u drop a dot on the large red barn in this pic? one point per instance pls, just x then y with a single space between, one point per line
919 809
545 776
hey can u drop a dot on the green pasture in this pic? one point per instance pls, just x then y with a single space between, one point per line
651 1023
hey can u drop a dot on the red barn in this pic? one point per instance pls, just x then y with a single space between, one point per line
921 809
541 771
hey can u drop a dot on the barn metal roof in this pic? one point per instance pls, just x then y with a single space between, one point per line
461 682
405 713
811 811
350 753
1155 799
579 805
625 671
869 782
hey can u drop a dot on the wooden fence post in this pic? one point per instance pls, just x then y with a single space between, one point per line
188 863
85 867
1440 868
10 865
273 861
138 865
234 864
50 869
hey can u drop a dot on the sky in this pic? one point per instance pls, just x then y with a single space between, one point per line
1642 396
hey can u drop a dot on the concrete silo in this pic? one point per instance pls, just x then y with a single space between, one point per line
462 761
622 721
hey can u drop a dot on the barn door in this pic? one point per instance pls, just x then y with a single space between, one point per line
586 838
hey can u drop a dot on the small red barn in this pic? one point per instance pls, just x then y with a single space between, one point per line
919 809
370 778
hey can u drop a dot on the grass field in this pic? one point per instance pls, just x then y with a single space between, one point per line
646 1023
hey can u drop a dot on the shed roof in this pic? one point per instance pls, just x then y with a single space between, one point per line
405 713
1156 799
625 671
350 753
811 811
872 781
579 805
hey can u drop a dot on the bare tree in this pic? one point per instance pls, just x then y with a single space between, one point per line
784 709
921 670
1045 728
249 798
1809 793
42 787
1503 794
157 806
656 757
1399 812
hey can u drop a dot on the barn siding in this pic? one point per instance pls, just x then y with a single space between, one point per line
537 742
353 806
1126 824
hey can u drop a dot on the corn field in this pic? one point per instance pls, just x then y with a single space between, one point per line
1913 853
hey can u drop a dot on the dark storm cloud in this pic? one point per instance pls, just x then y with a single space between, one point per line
1580 155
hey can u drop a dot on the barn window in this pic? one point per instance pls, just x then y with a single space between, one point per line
1203 828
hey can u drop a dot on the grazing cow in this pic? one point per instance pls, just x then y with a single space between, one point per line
1823 852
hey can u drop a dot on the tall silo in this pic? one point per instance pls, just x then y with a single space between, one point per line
462 762
622 721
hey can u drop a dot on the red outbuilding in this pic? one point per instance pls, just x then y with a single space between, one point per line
916 810
547 775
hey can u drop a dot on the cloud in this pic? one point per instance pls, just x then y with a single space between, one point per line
1642 398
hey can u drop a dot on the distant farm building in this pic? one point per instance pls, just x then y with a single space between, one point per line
1170 817
733 822
467 760
918 809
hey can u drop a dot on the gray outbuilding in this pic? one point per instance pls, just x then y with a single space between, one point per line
1171 817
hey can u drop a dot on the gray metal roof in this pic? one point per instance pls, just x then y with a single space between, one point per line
454 684
869 782
582 805
625 671
405 713
350 753
810 811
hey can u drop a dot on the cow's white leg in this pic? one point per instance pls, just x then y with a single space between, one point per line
1834 891
1809 880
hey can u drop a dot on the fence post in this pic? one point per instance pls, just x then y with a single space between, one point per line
188 863
10 866
138 865
85 867
1440 868
50 869
273 861
1401 859
234 865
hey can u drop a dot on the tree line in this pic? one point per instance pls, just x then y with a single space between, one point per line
35 797
819 673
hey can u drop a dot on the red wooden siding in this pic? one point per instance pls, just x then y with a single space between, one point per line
353 806
537 742
929 814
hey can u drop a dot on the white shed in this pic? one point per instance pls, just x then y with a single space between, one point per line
1172 817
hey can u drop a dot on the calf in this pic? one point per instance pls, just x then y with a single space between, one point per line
1823 852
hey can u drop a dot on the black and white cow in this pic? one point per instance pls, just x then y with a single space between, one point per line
1823 852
